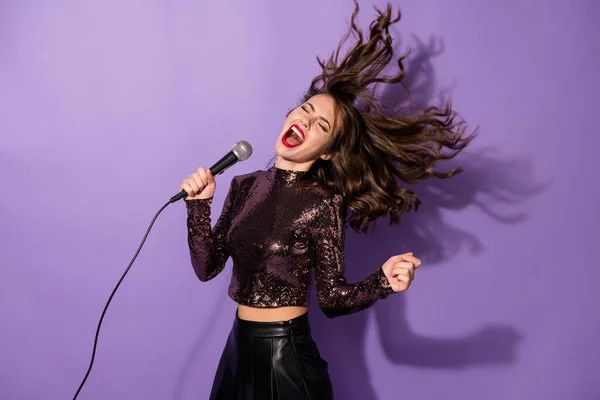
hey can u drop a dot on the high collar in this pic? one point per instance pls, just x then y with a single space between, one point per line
286 175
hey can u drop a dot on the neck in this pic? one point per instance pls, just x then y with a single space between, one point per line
282 163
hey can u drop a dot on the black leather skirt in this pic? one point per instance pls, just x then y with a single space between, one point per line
271 361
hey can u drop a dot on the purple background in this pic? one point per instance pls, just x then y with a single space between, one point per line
106 105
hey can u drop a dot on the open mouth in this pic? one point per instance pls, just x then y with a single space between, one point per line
294 137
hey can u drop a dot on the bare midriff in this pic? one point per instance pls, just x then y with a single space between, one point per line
270 314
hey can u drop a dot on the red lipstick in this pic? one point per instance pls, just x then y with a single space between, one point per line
293 130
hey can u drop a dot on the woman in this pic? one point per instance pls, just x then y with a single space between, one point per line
284 227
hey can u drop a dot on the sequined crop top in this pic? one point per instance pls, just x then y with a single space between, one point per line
282 236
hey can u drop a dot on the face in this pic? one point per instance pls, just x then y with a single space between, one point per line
306 134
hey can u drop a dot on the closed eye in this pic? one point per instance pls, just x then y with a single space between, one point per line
312 107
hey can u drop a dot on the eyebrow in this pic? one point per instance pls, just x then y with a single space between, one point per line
323 118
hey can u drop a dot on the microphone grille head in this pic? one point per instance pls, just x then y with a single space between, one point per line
242 150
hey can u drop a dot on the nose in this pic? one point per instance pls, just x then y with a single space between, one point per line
307 121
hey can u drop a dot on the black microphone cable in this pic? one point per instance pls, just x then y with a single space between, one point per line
111 296
241 151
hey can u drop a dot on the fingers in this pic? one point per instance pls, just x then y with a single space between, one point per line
210 179
402 271
196 182
416 261
200 178
412 259
403 283
405 269
401 279
400 257
406 257
186 186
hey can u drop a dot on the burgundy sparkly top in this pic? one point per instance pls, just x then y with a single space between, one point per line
281 235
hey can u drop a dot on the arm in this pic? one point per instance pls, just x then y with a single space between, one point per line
207 247
336 296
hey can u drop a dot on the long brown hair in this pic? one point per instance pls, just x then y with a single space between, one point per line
370 150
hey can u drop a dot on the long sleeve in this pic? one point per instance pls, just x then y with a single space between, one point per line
336 296
207 246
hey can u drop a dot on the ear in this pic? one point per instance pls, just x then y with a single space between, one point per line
325 156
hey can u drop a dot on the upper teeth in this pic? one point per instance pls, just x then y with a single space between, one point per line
297 134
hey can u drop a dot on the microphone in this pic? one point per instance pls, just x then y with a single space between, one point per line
241 151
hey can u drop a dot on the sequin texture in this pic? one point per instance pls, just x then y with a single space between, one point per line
282 236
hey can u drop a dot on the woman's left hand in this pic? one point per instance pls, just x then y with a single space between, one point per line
400 271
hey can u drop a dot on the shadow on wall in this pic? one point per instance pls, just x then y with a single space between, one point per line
489 182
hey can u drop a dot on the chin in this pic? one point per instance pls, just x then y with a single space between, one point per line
280 149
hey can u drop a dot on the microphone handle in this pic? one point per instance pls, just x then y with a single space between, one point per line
227 161
178 196
218 168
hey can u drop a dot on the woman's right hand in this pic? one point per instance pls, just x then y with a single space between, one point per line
199 185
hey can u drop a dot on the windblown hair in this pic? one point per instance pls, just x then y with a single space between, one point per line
370 150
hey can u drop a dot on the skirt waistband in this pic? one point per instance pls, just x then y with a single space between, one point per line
245 328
